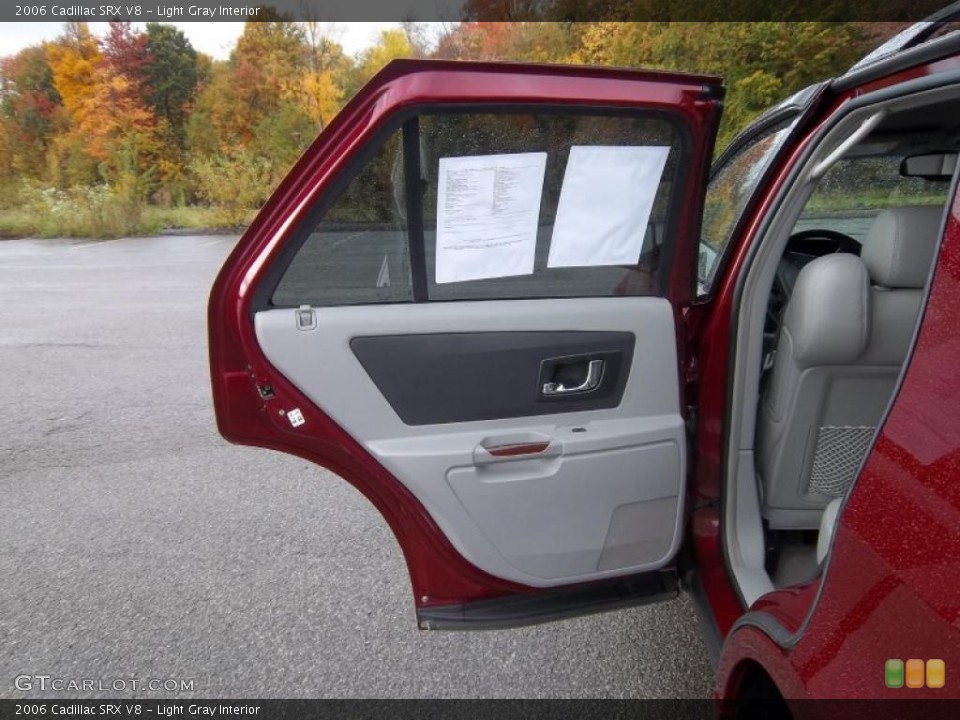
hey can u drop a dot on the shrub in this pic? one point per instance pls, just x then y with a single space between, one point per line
236 184
85 211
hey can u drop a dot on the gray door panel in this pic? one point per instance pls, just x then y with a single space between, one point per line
486 376
599 495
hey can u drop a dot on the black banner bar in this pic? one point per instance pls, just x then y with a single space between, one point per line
483 10
774 709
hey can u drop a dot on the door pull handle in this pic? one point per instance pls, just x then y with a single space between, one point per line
508 449
590 383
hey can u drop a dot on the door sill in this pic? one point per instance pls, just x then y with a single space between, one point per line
519 610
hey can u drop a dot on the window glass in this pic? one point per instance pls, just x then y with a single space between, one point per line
728 193
358 252
856 189
457 135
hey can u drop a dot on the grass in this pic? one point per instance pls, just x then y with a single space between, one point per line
840 203
17 223
21 222
189 217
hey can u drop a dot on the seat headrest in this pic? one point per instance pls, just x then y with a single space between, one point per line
900 246
828 316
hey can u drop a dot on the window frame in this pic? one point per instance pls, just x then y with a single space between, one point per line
748 138
406 122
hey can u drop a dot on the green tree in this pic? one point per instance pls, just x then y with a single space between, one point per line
171 75
761 62
392 44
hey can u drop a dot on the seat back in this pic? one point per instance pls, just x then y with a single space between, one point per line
845 334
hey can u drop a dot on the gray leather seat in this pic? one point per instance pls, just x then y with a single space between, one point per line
845 334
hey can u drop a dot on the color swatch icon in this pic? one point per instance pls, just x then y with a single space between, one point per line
893 671
914 673
936 673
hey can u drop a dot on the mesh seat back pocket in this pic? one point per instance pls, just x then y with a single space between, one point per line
839 453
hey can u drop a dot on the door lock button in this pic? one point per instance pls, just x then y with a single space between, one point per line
306 318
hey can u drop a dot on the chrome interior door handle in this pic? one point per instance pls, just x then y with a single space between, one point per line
591 383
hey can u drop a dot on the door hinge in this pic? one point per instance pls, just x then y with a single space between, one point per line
306 318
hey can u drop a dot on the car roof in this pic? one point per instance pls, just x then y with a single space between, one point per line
911 37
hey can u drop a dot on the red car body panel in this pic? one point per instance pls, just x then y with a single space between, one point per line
439 574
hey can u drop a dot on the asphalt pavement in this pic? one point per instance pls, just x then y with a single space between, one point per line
136 544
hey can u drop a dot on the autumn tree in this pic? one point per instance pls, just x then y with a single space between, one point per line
121 134
323 83
141 115
522 41
29 108
112 135
7 152
125 53
254 115
74 58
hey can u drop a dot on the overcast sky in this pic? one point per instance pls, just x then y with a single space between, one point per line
212 38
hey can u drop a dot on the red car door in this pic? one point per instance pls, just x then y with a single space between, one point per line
463 300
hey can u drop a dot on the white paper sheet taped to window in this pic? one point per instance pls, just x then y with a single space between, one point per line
605 204
488 208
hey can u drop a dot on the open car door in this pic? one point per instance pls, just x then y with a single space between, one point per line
464 300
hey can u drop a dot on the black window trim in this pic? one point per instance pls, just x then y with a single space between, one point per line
416 245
